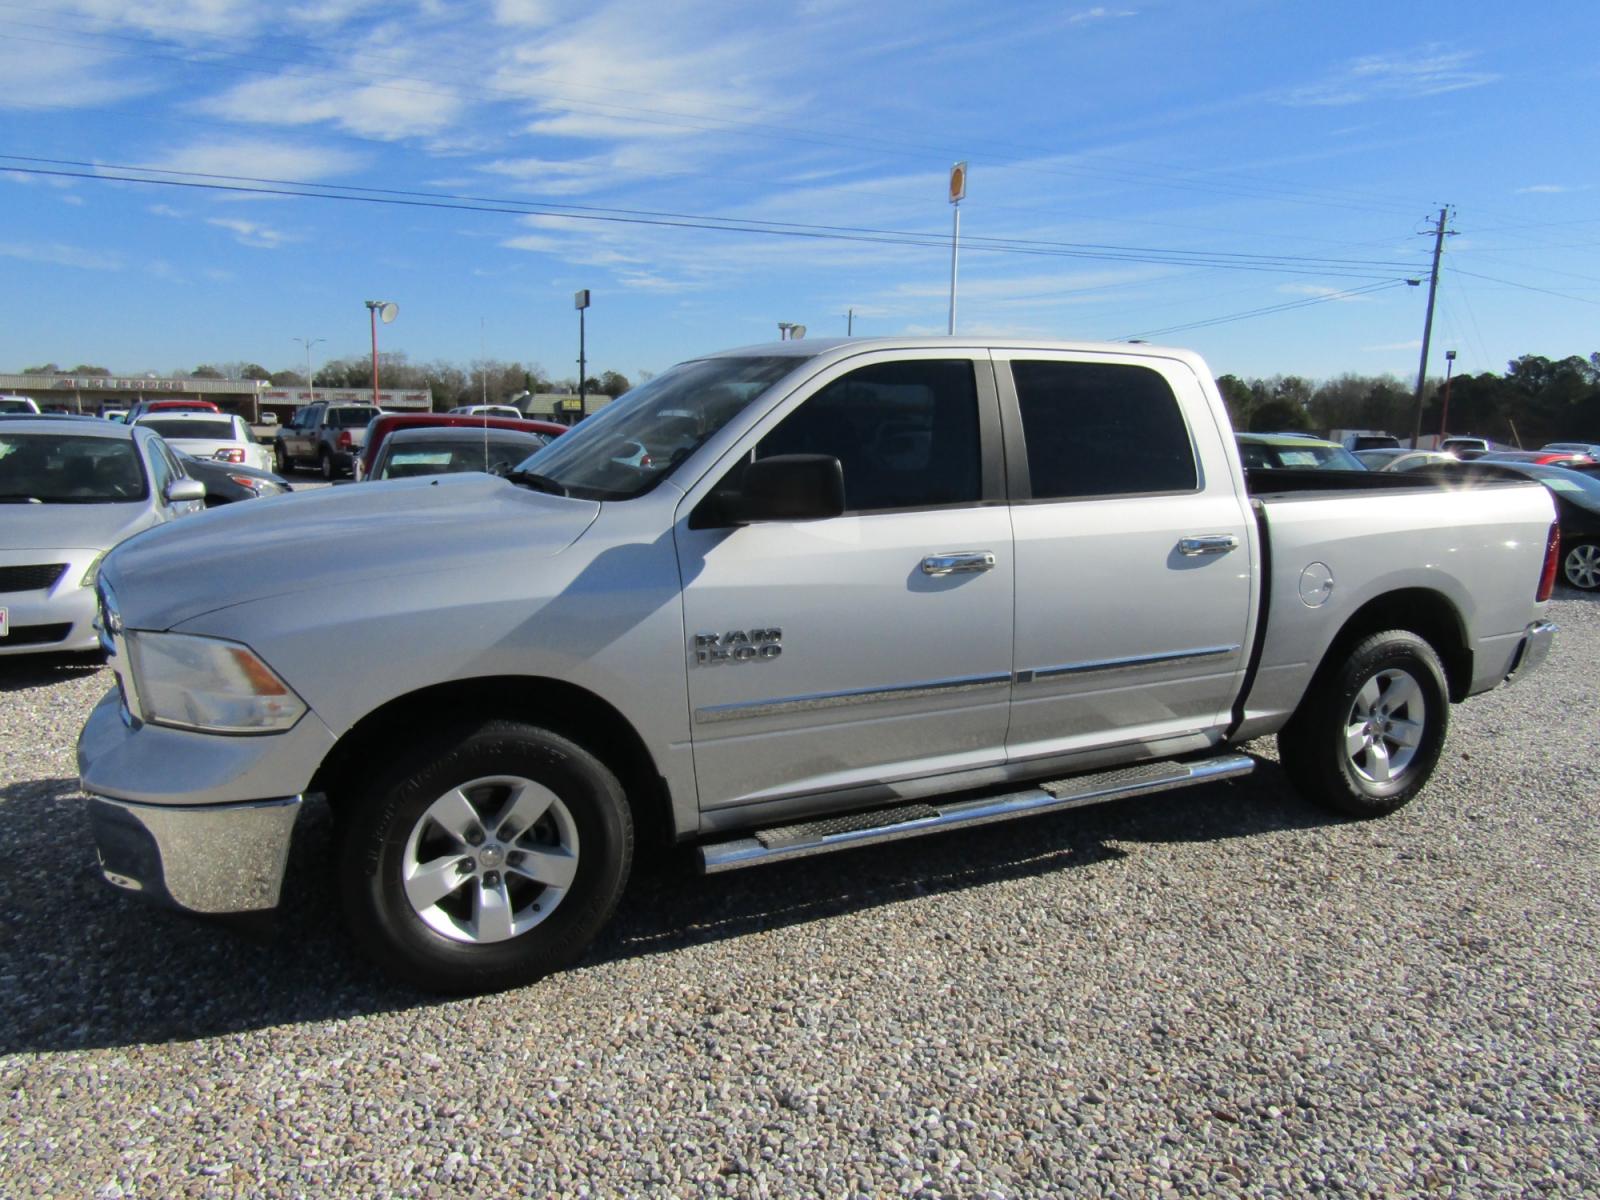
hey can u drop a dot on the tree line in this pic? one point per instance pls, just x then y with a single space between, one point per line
1536 400
480 381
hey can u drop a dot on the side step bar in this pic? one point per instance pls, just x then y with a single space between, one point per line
913 820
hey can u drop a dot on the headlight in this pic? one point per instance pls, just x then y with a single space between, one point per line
94 569
207 683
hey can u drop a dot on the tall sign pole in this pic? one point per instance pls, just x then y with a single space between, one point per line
958 193
1440 232
387 310
580 301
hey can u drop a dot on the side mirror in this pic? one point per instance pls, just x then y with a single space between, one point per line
786 487
181 491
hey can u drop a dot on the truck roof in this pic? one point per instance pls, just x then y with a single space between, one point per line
844 347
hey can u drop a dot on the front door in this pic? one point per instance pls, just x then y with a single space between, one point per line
869 648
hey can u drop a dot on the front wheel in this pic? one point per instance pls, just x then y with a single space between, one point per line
281 462
1581 565
486 859
1370 730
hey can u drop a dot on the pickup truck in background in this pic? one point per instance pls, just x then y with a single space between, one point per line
329 435
854 591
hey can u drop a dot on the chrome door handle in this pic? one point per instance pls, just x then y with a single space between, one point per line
1207 543
958 562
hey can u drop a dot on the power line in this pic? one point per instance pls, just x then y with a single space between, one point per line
1261 312
444 200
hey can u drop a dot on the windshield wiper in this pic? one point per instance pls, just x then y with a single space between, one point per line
539 483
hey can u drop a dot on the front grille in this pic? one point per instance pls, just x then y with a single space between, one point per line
36 635
30 578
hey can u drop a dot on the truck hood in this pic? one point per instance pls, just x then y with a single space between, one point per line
292 545
71 526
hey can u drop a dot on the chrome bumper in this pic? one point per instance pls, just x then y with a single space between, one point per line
212 858
1533 650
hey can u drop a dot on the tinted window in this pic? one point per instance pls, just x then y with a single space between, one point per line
1101 429
350 418
906 434
220 430
68 470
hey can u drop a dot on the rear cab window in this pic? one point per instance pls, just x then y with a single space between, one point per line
1097 429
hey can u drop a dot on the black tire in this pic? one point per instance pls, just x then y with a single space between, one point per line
1369 731
281 462
1580 565
455 945
325 463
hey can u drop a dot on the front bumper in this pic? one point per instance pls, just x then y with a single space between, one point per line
1537 640
215 858
60 617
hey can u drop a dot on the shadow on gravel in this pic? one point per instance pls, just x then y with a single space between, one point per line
22 672
82 966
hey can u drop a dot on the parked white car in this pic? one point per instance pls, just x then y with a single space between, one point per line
70 490
17 404
490 410
221 436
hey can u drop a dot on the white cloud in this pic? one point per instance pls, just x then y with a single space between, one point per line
1100 13
1548 189
1413 344
526 13
42 76
175 19
1428 71
260 158
58 254
386 111
1323 293
252 233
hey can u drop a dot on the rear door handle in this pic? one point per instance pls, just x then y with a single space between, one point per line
1207 543
958 562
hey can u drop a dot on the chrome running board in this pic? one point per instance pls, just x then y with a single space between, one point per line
913 820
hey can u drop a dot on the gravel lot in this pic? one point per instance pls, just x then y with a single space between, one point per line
1223 991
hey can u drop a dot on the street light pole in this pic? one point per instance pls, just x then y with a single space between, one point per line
311 380
580 301
1444 415
388 310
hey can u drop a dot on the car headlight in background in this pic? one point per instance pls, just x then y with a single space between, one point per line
208 684
94 570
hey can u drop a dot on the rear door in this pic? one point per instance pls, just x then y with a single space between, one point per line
872 647
1134 579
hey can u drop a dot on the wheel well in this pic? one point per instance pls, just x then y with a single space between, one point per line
556 705
1427 614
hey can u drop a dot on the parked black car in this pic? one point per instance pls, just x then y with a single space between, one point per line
1577 497
226 483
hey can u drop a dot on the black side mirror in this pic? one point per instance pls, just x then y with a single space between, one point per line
786 487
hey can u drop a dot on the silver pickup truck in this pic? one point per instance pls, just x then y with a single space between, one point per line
775 602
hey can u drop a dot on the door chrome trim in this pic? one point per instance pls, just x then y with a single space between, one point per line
820 700
1113 664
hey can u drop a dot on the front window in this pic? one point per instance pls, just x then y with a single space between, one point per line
45 468
634 443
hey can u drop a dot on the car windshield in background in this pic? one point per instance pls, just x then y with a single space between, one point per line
423 457
635 442
351 418
48 468
208 431
1314 456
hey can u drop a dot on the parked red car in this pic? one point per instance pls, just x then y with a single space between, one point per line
383 426
1539 458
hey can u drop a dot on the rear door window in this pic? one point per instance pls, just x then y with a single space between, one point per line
1101 429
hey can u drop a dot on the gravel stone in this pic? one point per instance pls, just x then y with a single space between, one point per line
1218 992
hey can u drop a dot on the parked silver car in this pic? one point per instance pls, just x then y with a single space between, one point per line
69 492
408 452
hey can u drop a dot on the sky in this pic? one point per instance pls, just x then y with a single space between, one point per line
1252 179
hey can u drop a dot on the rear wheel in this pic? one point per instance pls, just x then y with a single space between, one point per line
1369 732
1581 565
325 463
486 859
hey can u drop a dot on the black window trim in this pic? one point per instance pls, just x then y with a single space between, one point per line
1020 485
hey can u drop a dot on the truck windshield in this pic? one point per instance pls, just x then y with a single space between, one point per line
635 442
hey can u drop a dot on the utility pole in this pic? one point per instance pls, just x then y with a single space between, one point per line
1440 232
958 193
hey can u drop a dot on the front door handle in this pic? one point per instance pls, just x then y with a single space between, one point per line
1207 543
958 562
